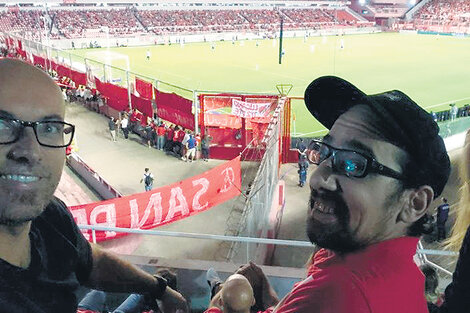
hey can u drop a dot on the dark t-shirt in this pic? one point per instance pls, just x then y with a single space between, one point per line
112 125
60 260
442 213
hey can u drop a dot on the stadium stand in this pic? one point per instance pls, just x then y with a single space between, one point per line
21 20
91 23
76 23
450 13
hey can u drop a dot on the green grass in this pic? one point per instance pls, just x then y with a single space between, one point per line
432 70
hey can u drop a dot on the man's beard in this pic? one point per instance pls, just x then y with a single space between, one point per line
19 208
337 237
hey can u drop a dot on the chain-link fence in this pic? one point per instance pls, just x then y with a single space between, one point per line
255 220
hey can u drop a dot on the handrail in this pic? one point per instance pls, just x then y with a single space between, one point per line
293 243
424 257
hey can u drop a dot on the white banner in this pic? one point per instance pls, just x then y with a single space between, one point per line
248 109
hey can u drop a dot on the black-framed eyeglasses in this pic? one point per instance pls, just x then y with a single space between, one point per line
53 134
349 162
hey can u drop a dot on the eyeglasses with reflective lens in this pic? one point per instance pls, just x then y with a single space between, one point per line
349 162
53 134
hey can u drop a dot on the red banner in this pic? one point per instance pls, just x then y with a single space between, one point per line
78 77
143 88
143 105
175 109
117 96
162 205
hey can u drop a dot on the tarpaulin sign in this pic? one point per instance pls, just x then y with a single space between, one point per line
162 205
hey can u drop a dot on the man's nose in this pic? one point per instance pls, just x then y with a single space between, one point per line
27 148
324 177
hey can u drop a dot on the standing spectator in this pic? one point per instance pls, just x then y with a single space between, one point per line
161 136
303 166
125 125
190 148
442 216
453 111
184 143
148 132
434 116
181 133
198 144
147 179
205 147
301 150
112 128
170 132
176 144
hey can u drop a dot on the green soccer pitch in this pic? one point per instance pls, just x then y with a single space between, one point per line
432 70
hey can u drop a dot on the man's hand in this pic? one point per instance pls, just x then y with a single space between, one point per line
173 302
264 294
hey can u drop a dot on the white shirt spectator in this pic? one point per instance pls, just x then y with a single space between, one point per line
185 139
124 123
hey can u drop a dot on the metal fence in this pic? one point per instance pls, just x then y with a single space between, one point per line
114 70
255 220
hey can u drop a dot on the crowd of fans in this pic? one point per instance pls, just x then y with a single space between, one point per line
22 20
453 13
81 23
75 23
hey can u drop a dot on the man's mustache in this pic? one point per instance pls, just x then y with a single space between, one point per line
340 206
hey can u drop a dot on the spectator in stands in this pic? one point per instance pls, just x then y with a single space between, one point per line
44 255
457 294
205 147
236 296
433 298
375 180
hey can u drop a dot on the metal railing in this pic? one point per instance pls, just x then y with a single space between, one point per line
240 239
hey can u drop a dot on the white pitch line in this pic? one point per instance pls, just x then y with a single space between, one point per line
448 102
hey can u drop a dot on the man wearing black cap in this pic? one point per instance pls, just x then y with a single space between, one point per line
379 168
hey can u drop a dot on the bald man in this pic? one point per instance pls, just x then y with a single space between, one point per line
43 256
236 296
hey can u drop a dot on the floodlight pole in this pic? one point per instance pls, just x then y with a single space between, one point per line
196 112
281 35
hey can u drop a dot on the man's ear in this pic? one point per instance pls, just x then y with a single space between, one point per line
416 204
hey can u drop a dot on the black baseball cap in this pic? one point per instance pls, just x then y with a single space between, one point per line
405 124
